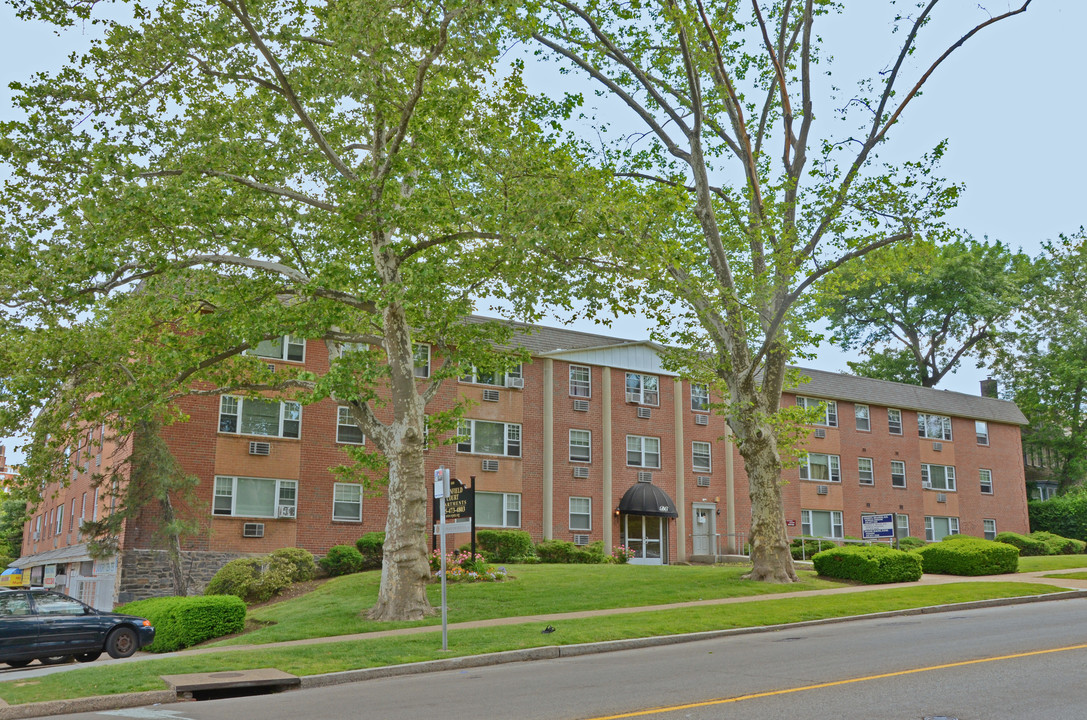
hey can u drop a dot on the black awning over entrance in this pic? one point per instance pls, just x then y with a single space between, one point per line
647 499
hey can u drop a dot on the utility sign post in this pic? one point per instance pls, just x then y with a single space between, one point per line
441 491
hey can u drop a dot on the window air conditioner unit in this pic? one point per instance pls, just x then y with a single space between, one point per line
644 476
253 530
490 466
820 433
287 511
37 536
515 382
645 413
937 446
581 539
260 448
581 472
490 396
581 405
703 481
701 419
941 498
632 397
926 484
821 490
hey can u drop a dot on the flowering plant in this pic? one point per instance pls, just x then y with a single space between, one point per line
622 553
465 567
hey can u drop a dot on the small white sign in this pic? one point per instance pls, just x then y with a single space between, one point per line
462 526
441 482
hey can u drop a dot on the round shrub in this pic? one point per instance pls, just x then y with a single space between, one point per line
297 562
556 551
910 543
342 560
802 548
1027 546
240 578
869 564
965 555
181 622
372 547
1058 545
505 545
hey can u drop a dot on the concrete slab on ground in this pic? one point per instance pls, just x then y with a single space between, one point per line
232 679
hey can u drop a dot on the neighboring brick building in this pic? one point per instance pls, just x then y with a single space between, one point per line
591 440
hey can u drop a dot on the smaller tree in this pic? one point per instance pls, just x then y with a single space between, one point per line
925 307
12 517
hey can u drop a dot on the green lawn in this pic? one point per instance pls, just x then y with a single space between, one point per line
374 652
1052 562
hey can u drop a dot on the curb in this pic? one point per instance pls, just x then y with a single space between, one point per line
550 652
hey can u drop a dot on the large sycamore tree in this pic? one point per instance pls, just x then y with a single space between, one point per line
724 104
211 176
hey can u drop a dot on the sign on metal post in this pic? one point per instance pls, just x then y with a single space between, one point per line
878 527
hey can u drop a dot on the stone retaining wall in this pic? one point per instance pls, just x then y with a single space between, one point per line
146 573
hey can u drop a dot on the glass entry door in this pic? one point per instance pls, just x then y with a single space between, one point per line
645 536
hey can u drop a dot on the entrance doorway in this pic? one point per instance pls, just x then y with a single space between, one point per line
646 536
704 529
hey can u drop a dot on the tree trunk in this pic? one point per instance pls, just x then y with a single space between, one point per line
405 567
771 558
173 549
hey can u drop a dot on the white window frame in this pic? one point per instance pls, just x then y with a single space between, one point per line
511 434
866 476
943 433
981 432
587 445
643 454
988 528
894 475
862 412
60 519
285 343
894 421
237 404
581 387
834 468
638 392
423 370
583 511
985 481
948 481
281 488
338 489
930 527
837 530
706 454
501 377
902 525
830 409
341 412
511 503
700 397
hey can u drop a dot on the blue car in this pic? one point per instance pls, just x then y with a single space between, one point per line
51 627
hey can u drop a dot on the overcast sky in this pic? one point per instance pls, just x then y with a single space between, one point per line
1011 102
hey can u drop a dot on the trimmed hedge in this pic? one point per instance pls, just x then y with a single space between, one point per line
1057 545
505 545
181 622
910 543
251 579
1028 546
372 548
801 548
562 551
869 564
965 555
342 560
1064 515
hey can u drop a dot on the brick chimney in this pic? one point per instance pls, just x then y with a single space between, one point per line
989 388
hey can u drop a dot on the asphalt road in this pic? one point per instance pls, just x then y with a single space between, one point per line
1015 662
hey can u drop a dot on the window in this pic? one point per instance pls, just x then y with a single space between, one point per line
986 481
489 438
829 407
347 432
643 451
861 413
285 347
894 421
643 389
501 378
700 397
865 471
253 497
347 502
934 427
817 466
937 528
259 417
421 353
59 515
54 604
498 509
580 446
580 381
902 525
821 523
898 474
938 477
989 527
981 430
581 513
95 515
700 456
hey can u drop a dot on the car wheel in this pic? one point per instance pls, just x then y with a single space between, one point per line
121 643
88 657
55 659
17 663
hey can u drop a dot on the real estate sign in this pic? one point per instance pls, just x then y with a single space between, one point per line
878 527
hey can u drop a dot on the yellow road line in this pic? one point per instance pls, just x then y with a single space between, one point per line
710 703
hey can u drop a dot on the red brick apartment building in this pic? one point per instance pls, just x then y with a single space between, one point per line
591 440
